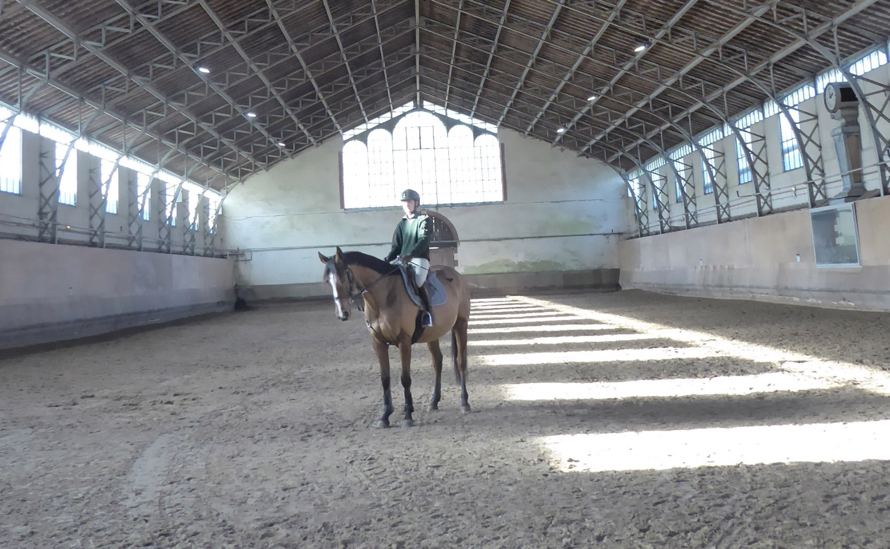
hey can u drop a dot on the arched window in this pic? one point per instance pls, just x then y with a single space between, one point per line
463 166
356 192
444 166
488 168
380 168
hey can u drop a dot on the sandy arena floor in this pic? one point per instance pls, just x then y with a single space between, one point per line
609 420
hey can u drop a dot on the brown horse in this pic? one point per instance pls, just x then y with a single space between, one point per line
391 317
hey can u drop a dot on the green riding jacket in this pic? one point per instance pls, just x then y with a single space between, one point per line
412 237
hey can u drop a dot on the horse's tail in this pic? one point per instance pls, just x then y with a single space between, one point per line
454 356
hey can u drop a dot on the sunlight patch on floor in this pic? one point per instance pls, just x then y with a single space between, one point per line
545 328
715 447
530 315
524 320
561 340
865 378
585 357
666 388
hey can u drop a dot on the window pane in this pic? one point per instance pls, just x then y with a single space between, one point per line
791 157
445 167
488 153
110 187
68 177
143 202
356 193
744 166
707 161
11 161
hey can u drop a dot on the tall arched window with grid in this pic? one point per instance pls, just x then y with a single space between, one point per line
447 160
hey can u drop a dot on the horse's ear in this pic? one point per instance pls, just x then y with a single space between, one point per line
339 254
323 258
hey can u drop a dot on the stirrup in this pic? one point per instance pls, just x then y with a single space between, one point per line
426 319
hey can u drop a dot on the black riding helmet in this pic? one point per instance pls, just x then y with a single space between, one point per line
410 194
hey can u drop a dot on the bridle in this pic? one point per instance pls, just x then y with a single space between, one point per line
357 297
354 294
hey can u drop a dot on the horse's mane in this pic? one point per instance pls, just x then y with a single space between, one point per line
370 262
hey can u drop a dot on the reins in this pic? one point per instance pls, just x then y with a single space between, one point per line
353 295
360 304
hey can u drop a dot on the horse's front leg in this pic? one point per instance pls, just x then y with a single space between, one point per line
382 353
405 355
436 353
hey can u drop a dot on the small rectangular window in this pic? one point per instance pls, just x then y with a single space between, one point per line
213 206
143 201
744 165
173 196
791 156
194 201
68 175
110 187
707 181
678 185
11 161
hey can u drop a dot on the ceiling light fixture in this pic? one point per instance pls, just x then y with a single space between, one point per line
561 130
204 70
251 115
282 144
641 47
592 98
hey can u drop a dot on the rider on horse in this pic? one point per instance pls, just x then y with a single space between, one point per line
411 247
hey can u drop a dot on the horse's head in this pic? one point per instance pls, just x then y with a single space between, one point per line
338 275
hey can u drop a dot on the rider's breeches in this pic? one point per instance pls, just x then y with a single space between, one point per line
421 268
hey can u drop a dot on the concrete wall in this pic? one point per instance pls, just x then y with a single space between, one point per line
50 292
57 291
757 259
562 214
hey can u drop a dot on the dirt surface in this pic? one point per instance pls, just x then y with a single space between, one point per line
640 427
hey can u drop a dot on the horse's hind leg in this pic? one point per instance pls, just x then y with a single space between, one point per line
436 353
383 358
459 352
405 355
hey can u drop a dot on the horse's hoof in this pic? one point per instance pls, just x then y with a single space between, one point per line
432 408
466 409
407 423
381 424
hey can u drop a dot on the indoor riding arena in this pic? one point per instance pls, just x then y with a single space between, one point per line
658 294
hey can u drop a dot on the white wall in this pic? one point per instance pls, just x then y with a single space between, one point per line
284 216
756 258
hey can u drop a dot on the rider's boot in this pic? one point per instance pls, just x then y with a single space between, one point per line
427 318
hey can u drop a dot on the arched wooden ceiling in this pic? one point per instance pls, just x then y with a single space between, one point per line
219 89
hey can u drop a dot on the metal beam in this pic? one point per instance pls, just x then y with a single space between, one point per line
99 107
665 29
382 55
327 9
494 47
534 56
237 46
571 73
305 67
417 49
171 47
62 27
